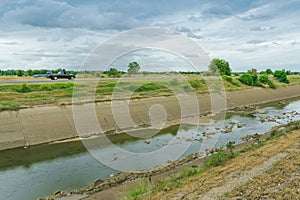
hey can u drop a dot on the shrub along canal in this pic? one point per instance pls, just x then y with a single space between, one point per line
41 170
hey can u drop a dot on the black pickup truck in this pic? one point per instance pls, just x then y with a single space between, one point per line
64 75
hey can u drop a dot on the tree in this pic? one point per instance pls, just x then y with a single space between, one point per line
269 71
19 72
219 66
55 71
10 72
133 68
113 72
252 71
29 72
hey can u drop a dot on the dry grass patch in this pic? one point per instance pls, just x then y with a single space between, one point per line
216 176
280 182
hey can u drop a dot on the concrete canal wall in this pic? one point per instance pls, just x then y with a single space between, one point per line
47 124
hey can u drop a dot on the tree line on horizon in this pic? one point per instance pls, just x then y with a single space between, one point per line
30 72
216 67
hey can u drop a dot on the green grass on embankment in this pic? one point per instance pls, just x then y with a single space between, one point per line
17 96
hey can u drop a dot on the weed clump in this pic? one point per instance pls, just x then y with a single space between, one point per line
24 88
45 87
138 192
197 83
217 158
230 80
174 82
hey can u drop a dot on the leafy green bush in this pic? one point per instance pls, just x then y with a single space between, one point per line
247 79
269 71
230 80
250 79
195 83
281 76
271 84
264 79
255 80
227 78
114 73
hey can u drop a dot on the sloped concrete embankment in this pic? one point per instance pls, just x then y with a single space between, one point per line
47 124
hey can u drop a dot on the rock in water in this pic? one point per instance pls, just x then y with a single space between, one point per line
261 111
147 141
239 125
228 130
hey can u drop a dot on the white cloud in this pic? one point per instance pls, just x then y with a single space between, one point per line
48 33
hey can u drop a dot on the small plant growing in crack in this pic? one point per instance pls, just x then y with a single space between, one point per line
230 146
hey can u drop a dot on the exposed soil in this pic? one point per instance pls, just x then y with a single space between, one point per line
281 181
269 172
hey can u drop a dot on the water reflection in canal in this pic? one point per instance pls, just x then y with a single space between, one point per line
41 170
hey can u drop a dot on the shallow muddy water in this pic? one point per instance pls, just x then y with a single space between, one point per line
41 170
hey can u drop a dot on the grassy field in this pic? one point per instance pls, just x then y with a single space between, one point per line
17 96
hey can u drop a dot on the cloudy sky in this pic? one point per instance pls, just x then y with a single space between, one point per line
62 33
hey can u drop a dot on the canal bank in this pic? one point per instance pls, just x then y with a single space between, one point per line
68 166
40 125
117 186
